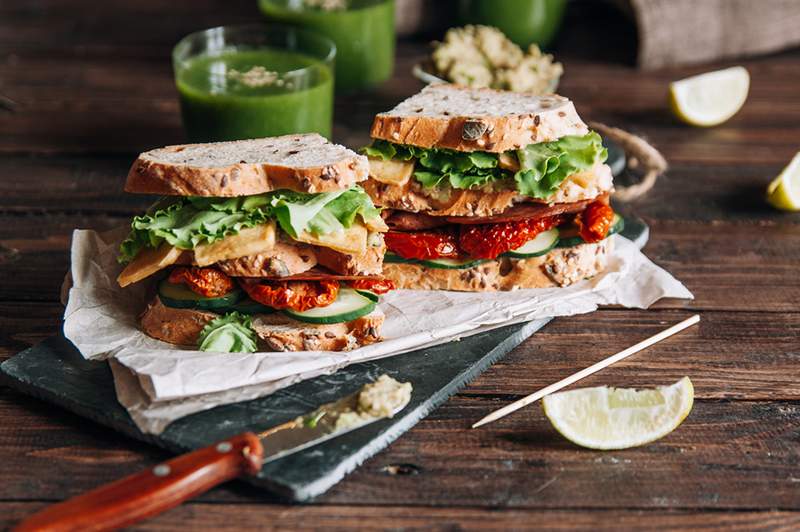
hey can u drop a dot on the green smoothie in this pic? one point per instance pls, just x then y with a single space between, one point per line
242 94
523 21
363 31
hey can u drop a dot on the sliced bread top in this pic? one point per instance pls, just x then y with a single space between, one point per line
304 163
467 119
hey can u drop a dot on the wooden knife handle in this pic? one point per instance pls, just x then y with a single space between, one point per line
151 492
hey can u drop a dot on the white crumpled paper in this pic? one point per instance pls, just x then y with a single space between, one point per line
159 383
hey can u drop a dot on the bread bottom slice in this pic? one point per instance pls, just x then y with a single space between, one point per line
276 332
560 267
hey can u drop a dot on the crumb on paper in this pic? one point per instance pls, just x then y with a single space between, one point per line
482 56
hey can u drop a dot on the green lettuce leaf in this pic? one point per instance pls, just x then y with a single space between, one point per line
189 222
231 333
543 167
382 150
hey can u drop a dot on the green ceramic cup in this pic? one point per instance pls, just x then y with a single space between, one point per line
524 21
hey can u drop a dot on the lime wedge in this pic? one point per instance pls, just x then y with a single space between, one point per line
784 191
618 418
709 99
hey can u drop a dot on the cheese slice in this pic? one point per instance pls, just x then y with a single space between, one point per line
376 224
506 161
250 241
147 262
583 185
352 240
391 172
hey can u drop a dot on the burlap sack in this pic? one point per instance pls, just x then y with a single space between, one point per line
680 32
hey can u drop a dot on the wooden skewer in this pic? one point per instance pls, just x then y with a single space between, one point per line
525 401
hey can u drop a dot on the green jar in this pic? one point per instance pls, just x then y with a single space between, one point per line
241 82
523 21
363 33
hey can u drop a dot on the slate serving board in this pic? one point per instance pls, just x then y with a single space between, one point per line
56 372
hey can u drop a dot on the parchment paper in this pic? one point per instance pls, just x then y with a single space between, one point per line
159 383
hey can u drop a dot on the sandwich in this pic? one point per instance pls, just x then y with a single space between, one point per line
485 190
265 244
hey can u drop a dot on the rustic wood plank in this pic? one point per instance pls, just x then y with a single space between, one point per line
201 516
758 135
72 98
73 184
79 106
93 184
35 252
725 455
731 266
726 357
78 83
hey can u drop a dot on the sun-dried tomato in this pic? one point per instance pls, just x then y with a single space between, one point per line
595 222
422 244
208 282
489 241
295 295
379 286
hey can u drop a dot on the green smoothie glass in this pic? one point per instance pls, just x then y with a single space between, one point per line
241 82
363 31
523 21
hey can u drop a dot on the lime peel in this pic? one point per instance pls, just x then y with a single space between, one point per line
618 418
784 191
710 99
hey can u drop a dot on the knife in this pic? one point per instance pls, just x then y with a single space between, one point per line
168 484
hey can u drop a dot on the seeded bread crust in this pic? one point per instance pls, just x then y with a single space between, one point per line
468 119
304 163
277 332
561 267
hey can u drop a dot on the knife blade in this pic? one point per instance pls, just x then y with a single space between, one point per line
169 483
330 420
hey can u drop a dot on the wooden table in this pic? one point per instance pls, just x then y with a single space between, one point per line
90 85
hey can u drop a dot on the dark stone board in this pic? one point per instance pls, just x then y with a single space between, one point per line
56 372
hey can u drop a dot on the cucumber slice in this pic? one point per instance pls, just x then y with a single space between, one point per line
248 306
371 295
539 245
443 264
348 306
179 296
451 264
570 241
391 257
617 226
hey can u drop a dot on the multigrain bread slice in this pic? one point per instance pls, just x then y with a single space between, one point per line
276 332
304 163
468 119
560 267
